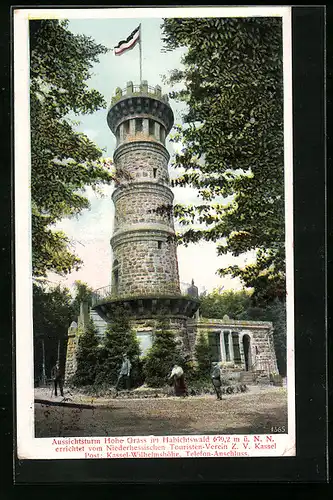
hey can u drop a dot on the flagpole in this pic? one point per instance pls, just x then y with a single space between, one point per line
140 55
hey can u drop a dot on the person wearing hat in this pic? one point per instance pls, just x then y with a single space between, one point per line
58 379
124 374
216 380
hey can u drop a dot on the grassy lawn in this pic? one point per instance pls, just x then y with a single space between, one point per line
245 413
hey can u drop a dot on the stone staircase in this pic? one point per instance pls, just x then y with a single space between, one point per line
254 377
99 323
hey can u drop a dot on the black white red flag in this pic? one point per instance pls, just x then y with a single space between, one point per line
129 43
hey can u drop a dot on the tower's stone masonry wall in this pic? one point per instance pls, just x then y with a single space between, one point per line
145 269
138 203
139 159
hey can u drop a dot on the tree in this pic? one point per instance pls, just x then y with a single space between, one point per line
83 293
119 339
219 303
53 313
52 310
202 356
232 141
63 162
163 354
86 356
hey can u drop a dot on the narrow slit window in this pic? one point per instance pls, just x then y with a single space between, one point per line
154 172
126 127
115 277
162 135
138 125
159 245
151 127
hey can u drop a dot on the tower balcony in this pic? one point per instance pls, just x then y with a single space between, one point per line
105 301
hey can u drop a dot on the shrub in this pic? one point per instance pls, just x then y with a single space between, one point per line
86 357
275 379
202 356
119 338
163 354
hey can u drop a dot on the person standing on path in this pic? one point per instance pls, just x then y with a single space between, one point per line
58 380
177 375
124 374
216 380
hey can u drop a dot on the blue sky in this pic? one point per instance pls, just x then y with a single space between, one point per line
91 231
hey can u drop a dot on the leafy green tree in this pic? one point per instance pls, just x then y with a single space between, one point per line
86 356
232 141
63 161
53 313
218 303
202 356
83 293
52 310
163 354
119 339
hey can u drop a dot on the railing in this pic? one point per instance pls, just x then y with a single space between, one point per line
148 89
108 292
101 293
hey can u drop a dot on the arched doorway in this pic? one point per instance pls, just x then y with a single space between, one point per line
247 352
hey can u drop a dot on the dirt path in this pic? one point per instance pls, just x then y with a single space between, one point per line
253 412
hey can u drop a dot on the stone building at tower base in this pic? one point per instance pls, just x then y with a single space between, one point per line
246 346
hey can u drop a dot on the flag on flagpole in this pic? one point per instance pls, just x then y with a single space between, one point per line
129 43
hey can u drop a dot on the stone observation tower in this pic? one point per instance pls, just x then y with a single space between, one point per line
145 277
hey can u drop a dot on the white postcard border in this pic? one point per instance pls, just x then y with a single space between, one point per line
29 447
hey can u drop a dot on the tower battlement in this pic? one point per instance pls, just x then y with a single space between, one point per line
139 90
140 112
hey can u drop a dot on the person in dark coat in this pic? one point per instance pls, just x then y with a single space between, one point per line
58 379
216 380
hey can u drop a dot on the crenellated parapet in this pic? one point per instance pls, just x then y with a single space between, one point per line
140 113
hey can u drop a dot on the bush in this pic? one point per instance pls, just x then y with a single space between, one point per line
276 379
199 386
202 356
86 357
119 338
163 354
